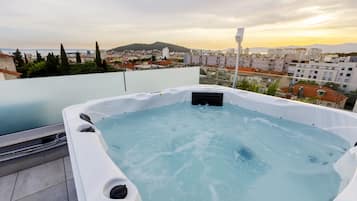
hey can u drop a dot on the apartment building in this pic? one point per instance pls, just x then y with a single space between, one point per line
343 73
7 67
268 63
279 60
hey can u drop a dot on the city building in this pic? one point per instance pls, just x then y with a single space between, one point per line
314 54
165 53
342 73
268 62
318 95
7 67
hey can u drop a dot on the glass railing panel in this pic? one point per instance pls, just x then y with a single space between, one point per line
156 80
36 102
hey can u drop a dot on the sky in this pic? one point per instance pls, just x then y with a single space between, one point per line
208 24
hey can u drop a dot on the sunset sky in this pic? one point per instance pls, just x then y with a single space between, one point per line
209 24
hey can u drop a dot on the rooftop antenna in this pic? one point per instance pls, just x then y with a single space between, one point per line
239 39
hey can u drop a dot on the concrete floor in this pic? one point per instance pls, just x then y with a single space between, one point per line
51 181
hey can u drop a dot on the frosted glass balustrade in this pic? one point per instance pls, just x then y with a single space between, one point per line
36 102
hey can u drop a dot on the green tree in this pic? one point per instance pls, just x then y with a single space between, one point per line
64 61
105 66
85 68
26 60
273 88
19 61
153 58
38 57
98 59
52 64
23 70
78 58
37 69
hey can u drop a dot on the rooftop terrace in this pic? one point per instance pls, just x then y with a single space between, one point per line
31 167
51 181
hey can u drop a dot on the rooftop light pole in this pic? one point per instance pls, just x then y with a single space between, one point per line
239 39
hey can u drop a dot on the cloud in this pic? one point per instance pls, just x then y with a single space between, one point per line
45 23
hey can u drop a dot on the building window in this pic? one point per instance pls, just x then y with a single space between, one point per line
298 70
314 77
344 86
309 76
341 74
343 68
348 75
316 71
301 75
350 69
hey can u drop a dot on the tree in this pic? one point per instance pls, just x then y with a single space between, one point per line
37 69
105 66
64 60
78 58
19 62
52 63
26 60
38 57
153 58
98 59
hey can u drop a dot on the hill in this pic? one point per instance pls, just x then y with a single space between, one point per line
156 45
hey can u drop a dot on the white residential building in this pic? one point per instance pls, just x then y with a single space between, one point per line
7 67
187 59
343 73
212 60
196 59
314 54
166 53
271 63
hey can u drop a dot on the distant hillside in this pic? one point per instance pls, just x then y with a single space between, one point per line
156 45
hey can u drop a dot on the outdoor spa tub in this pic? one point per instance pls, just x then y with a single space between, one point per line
211 143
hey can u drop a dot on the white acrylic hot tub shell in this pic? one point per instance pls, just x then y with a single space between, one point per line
95 173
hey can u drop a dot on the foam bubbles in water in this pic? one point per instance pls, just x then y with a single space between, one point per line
202 153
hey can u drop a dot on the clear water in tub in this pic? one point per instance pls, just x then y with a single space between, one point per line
202 153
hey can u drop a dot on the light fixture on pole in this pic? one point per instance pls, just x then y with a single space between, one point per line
239 39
